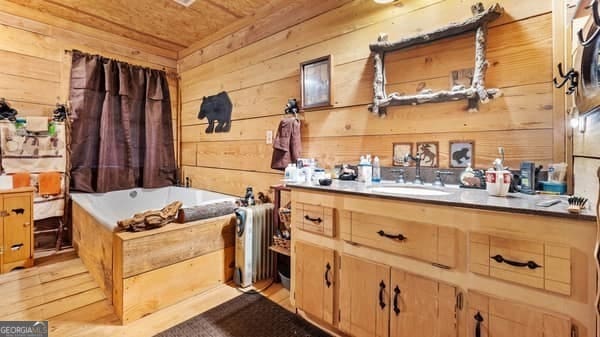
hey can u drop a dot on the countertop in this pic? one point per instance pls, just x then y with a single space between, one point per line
459 197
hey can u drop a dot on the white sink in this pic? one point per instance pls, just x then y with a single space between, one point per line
409 191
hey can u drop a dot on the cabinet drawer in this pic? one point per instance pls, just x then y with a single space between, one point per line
536 264
316 219
494 317
431 243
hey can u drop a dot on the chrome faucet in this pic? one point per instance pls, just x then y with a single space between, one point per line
417 159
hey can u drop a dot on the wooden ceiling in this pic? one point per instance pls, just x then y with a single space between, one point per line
162 23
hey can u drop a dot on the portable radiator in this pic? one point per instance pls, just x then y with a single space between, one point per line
254 232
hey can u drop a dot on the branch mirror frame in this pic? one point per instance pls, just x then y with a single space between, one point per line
475 94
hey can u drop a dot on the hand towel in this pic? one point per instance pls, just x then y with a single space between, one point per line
49 183
36 124
21 179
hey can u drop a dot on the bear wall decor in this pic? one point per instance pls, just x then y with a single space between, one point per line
216 108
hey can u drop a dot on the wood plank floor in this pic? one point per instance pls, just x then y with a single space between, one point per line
65 294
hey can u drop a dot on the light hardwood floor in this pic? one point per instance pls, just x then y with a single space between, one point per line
65 294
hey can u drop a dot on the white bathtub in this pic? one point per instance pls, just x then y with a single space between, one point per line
110 207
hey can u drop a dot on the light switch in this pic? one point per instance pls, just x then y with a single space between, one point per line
269 136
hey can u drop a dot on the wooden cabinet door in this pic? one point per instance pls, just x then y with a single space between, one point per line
364 297
494 317
315 280
423 305
17 227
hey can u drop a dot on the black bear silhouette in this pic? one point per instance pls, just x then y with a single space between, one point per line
216 108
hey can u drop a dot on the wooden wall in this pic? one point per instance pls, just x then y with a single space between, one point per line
261 76
35 70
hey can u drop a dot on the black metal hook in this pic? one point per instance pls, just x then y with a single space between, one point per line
571 76
596 16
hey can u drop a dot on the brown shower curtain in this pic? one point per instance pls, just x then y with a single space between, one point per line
122 135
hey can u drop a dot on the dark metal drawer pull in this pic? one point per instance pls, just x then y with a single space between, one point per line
18 211
381 289
16 247
317 220
479 319
529 264
398 237
396 295
327 269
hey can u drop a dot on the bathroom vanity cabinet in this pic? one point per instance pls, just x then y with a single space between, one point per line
16 229
391 266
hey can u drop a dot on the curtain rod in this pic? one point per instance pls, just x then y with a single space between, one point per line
169 73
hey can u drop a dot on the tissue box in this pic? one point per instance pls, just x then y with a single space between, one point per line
551 186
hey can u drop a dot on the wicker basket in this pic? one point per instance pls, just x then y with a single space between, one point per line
281 242
285 217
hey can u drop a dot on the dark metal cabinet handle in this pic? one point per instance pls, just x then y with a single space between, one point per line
381 289
18 211
396 295
398 237
479 319
529 264
317 220
327 269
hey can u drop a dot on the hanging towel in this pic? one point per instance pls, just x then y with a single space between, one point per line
49 183
287 144
21 179
36 124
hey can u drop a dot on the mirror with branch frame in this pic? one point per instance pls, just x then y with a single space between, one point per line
475 94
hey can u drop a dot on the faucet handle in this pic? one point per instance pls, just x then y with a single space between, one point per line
439 181
400 179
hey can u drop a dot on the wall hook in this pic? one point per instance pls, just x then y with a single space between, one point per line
571 76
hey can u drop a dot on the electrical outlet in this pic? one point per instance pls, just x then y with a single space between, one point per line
269 136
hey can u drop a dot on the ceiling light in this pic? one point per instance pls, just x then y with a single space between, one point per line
383 1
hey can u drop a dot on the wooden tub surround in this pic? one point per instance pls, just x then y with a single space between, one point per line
388 267
143 272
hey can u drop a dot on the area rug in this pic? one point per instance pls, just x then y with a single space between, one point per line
248 315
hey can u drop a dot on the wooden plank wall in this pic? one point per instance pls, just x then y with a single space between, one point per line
35 70
261 76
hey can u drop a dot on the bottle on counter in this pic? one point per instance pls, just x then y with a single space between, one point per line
365 170
287 175
376 178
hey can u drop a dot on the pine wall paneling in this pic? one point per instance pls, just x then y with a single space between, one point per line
261 76
35 70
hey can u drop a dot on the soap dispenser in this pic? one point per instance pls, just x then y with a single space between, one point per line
376 170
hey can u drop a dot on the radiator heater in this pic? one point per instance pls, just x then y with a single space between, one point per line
254 232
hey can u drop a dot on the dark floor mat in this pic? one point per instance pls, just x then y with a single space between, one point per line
248 315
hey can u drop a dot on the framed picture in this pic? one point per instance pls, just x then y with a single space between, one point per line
429 152
462 153
399 151
315 82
